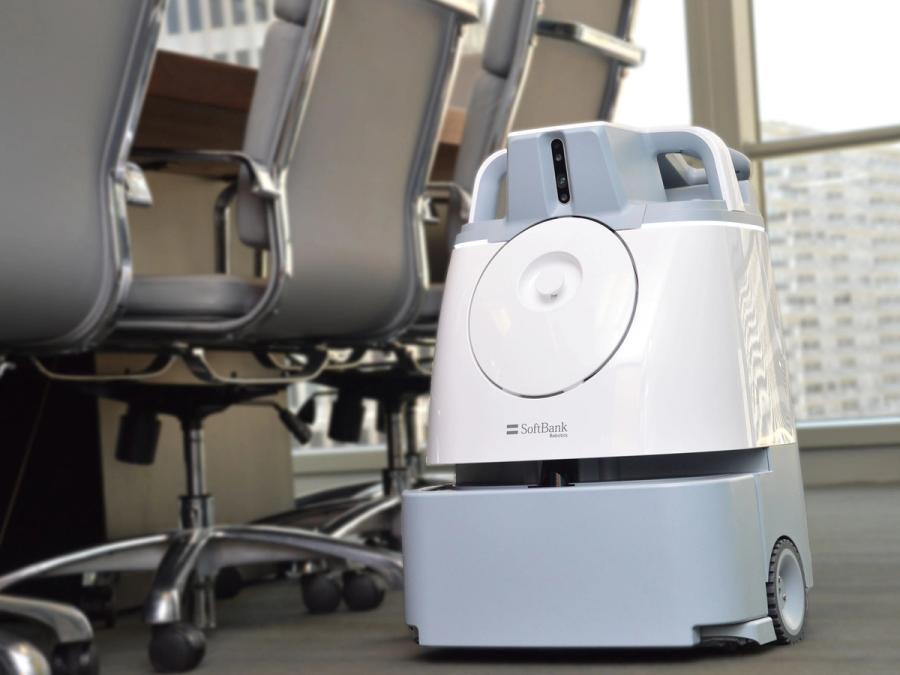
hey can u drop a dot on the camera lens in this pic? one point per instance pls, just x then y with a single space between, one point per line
560 171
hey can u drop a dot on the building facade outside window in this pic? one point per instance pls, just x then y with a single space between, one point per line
834 216
231 31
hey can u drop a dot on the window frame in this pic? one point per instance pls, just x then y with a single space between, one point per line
724 98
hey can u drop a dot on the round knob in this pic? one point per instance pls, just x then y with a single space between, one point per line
549 283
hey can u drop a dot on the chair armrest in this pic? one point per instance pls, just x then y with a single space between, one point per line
457 198
137 192
459 204
623 51
5 365
220 228
468 10
263 182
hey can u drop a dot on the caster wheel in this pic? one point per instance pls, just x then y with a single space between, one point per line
176 647
19 656
321 593
75 658
362 591
229 583
786 592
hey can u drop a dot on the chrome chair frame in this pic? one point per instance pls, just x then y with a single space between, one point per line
266 182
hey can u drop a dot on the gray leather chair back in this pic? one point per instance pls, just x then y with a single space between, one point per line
496 89
360 160
504 62
72 76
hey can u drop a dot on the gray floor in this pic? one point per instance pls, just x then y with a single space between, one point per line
854 623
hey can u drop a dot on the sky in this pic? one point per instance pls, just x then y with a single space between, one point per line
827 64
822 64
656 92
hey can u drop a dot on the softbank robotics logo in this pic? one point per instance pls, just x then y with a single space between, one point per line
560 430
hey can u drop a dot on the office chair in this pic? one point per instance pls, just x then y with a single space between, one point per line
336 226
64 250
398 381
533 53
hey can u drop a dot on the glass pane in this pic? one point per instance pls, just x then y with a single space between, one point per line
657 92
195 20
173 21
261 10
238 12
834 227
216 13
821 66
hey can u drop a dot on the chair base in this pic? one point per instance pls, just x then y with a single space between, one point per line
177 555
186 561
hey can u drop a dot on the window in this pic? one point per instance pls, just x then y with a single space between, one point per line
838 320
216 13
195 18
837 53
173 21
261 10
657 91
238 12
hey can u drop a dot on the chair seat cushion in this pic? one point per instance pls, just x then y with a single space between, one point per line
206 296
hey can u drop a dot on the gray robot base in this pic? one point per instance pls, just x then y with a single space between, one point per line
662 562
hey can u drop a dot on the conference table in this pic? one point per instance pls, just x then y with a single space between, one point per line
198 103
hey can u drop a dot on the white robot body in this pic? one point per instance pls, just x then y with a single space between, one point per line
610 383
678 371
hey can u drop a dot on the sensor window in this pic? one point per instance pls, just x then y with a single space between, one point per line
563 191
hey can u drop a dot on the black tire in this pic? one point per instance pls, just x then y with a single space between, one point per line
363 591
229 583
786 592
176 647
75 658
321 593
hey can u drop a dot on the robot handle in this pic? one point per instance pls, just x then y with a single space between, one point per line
487 188
709 149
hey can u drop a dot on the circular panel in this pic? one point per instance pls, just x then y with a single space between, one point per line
552 306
